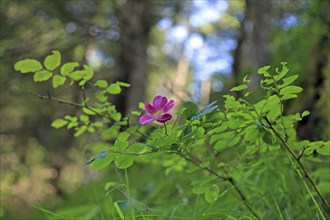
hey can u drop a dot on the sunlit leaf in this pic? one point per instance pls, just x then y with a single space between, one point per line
58 123
80 131
120 145
53 61
28 65
89 73
88 111
58 80
281 73
305 113
136 148
264 71
124 161
68 68
287 81
42 75
288 96
239 88
101 97
114 88
290 90
101 84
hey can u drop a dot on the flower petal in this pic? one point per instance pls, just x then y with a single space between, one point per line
149 108
145 119
164 118
168 106
159 102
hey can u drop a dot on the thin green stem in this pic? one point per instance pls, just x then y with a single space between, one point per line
128 190
165 129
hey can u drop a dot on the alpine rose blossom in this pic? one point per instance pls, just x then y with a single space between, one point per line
157 111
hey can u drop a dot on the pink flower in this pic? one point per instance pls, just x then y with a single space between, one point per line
157 111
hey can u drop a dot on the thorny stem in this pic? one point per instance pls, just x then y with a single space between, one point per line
225 178
297 159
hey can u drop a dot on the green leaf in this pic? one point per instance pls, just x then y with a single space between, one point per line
114 88
58 123
212 194
246 80
53 61
84 118
68 68
91 129
273 107
72 125
239 88
77 75
71 118
101 97
282 73
58 80
264 71
219 129
305 113
88 111
80 131
325 149
136 148
290 90
251 133
28 65
101 84
122 84
42 75
266 82
89 73
288 81
120 145
102 159
187 132
190 109
123 136
205 110
124 161
204 164
101 163
288 96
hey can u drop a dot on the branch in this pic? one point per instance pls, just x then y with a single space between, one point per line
61 101
297 159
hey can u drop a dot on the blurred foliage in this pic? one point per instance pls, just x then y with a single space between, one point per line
43 170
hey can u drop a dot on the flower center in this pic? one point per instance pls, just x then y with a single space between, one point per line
158 113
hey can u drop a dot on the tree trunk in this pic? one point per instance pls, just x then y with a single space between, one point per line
312 127
135 21
252 44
